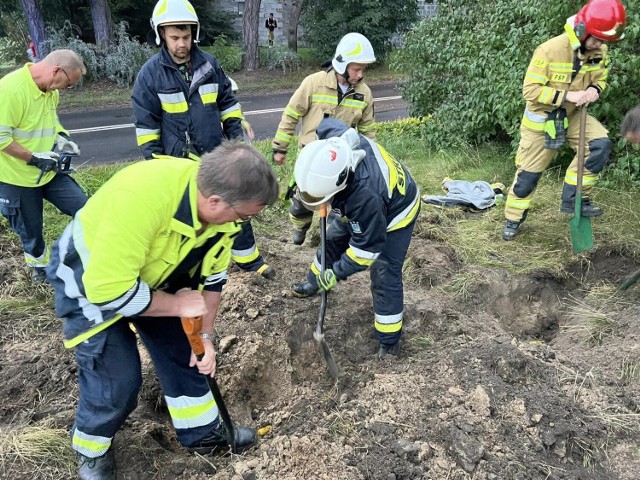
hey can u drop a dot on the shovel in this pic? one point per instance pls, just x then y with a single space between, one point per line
581 232
318 335
192 327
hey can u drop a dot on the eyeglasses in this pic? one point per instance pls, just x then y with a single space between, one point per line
244 218
69 84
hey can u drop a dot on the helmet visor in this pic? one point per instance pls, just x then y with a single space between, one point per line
311 202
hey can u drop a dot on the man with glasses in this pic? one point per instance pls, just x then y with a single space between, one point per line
146 254
29 134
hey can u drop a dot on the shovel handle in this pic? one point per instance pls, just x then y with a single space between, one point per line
581 142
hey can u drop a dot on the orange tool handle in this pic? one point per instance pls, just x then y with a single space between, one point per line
192 327
323 210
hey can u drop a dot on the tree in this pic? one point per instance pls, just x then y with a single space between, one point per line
292 24
102 22
326 21
250 28
35 23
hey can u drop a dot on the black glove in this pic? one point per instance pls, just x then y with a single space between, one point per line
45 161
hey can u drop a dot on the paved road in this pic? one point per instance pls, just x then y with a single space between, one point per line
108 136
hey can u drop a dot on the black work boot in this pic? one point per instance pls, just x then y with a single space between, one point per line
304 289
267 272
510 229
385 350
100 468
38 276
587 210
299 235
216 441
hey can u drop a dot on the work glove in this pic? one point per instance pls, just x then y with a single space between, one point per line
327 280
66 145
555 129
45 161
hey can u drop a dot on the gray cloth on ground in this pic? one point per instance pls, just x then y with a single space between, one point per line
461 193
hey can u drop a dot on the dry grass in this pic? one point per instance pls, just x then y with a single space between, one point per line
41 452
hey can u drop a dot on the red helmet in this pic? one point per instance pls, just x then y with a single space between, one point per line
603 19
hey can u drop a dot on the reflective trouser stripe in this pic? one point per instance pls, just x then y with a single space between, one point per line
191 412
533 157
91 446
245 251
41 261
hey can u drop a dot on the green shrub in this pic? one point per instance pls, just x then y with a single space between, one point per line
280 57
410 127
122 61
13 44
229 56
65 37
466 66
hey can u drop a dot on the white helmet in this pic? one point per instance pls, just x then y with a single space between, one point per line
174 12
234 85
323 167
353 48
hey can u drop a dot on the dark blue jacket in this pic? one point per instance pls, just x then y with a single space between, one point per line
170 115
380 197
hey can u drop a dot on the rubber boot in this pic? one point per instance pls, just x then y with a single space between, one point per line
510 229
299 235
304 289
385 350
100 468
587 210
216 441
38 276
267 272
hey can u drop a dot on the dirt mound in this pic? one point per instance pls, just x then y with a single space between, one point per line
499 377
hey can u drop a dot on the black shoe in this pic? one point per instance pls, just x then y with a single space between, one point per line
304 289
100 468
587 210
38 276
267 272
298 236
385 350
510 229
216 441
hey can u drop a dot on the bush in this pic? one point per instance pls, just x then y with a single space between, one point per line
229 56
466 67
280 57
67 37
13 44
410 127
122 61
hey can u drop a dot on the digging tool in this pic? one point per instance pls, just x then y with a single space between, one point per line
581 231
318 335
192 327
631 279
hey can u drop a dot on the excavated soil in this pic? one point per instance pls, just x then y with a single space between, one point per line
494 381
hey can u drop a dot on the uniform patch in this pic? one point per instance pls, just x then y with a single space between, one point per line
560 77
539 62
355 227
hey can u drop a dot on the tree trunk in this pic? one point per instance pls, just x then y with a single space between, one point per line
292 29
250 29
36 25
102 22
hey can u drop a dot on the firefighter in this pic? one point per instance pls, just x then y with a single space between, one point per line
184 106
566 72
29 132
376 203
147 253
337 92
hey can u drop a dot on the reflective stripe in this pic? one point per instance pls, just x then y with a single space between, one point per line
561 67
573 39
546 95
536 78
173 102
91 446
216 278
192 412
518 203
362 257
405 217
534 121
245 256
349 102
144 135
588 180
41 261
328 99
300 223
31 134
208 93
367 128
388 323
285 137
292 113
231 112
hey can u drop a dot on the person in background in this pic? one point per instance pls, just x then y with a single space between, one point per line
31 50
29 133
270 24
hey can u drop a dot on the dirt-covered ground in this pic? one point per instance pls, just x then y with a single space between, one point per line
500 377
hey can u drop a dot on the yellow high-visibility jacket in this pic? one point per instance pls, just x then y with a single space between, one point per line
552 73
317 98
130 237
28 116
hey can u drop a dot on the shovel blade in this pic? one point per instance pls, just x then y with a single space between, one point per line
581 231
